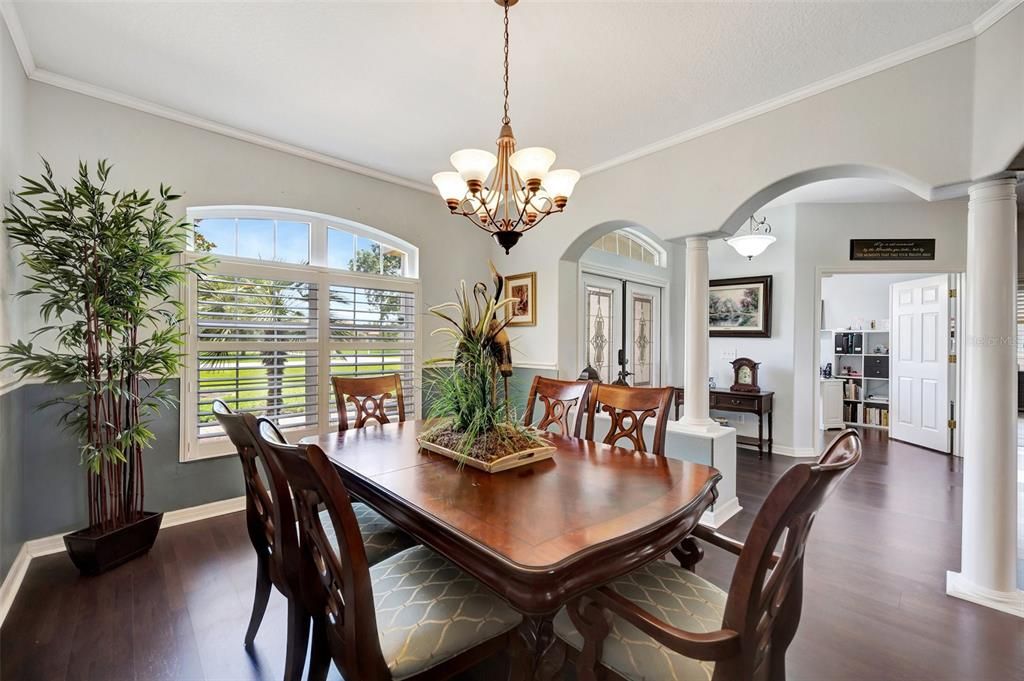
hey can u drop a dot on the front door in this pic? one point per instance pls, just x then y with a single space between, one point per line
919 346
602 325
643 328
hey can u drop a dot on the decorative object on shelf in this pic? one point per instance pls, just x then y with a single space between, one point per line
104 271
745 375
881 350
740 307
755 241
522 289
472 424
522 190
712 382
892 249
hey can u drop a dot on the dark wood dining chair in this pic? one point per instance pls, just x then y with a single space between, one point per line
370 396
664 622
381 537
629 409
560 400
412 616
271 526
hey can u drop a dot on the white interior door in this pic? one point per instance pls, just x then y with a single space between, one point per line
643 326
919 361
602 325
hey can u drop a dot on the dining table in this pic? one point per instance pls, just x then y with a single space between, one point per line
540 535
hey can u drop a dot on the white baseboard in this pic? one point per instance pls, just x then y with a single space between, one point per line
721 512
1011 602
45 546
796 452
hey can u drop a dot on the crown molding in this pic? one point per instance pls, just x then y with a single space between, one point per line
941 42
40 75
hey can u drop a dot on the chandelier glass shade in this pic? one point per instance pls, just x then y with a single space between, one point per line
511 193
755 241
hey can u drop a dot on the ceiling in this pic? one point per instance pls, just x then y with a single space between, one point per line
396 87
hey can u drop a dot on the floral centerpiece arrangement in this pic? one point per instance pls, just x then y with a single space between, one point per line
472 422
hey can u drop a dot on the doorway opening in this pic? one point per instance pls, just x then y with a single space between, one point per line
887 354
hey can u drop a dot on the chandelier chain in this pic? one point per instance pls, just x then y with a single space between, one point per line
505 119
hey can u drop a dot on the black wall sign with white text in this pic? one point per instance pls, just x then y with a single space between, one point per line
892 249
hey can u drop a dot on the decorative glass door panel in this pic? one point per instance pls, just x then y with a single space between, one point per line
643 324
602 325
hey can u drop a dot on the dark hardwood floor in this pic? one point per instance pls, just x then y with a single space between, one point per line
874 606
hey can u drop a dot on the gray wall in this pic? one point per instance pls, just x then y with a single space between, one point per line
44 488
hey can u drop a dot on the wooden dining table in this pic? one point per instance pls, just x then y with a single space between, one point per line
540 535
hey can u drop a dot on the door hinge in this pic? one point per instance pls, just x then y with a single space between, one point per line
952 359
951 423
952 293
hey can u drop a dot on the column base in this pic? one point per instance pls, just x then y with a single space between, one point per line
1011 602
716 516
699 425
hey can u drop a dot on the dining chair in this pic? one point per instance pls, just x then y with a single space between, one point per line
412 616
381 537
271 523
664 622
369 395
559 398
629 409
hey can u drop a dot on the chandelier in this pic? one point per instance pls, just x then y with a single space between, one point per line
521 191
755 241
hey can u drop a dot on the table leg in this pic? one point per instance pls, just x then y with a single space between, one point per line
537 634
771 438
760 435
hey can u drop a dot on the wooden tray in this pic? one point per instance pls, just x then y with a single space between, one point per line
515 460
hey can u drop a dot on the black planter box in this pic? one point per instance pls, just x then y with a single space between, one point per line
93 553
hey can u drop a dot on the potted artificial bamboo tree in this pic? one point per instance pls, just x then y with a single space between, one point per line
104 268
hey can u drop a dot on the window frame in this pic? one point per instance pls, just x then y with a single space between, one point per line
317 272
641 240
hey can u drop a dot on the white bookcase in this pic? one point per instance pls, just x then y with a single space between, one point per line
857 359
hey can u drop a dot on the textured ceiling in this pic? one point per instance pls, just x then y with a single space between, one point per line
398 86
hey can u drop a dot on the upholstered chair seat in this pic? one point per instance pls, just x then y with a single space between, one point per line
381 537
429 611
673 595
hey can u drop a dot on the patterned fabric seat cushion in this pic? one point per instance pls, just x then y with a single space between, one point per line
381 537
429 611
673 595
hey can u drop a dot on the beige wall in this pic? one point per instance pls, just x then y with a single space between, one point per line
13 103
211 169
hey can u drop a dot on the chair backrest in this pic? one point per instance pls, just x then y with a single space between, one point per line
269 513
764 601
335 583
369 395
559 398
629 408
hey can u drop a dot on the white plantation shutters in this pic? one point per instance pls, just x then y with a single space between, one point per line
373 332
265 337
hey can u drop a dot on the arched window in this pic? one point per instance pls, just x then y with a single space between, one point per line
294 298
628 243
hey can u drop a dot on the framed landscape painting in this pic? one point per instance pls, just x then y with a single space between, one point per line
740 307
522 287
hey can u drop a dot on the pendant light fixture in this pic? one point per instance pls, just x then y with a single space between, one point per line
755 241
511 193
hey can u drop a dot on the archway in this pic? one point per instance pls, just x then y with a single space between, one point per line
569 281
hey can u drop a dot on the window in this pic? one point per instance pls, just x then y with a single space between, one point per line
628 243
294 298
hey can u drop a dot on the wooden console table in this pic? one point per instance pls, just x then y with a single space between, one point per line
760 403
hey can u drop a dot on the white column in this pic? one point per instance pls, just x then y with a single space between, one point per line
695 350
988 408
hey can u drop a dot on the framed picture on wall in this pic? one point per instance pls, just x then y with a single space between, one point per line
522 287
740 307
